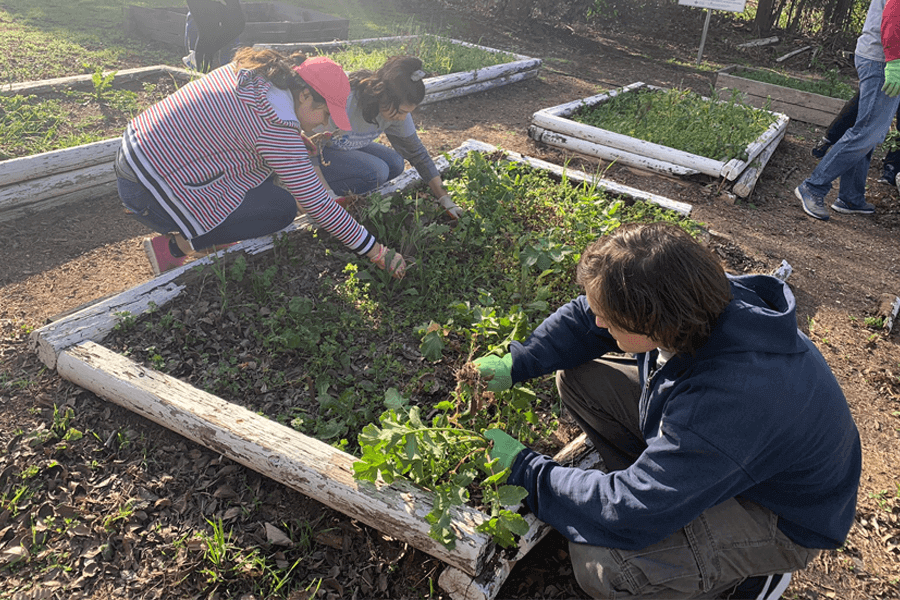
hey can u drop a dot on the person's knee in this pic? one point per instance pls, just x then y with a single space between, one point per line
395 166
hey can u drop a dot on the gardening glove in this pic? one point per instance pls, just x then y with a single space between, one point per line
505 448
390 261
450 206
891 85
496 371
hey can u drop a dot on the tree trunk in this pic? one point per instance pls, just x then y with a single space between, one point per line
765 17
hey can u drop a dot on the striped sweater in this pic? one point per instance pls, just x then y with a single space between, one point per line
201 149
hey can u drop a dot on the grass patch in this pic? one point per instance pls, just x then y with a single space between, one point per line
832 85
682 119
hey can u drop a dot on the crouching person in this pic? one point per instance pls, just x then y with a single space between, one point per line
731 455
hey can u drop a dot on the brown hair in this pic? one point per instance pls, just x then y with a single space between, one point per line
655 280
276 67
388 87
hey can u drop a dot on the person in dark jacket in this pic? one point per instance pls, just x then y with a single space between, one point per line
211 34
730 454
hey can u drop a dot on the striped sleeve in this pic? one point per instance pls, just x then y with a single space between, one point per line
286 154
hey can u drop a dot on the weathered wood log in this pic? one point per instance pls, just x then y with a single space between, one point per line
302 463
794 53
40 165
734 167
52 186
86 81
607 153
759 42
440 87
744 185
28 207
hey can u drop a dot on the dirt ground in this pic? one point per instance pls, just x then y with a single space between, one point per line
57 261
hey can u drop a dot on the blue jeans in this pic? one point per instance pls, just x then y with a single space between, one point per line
850 157
360 171
266 209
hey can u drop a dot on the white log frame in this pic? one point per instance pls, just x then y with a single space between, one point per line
552 125
73 346
49 179
440 87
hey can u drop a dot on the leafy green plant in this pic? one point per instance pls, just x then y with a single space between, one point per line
716 128
103 84
874 322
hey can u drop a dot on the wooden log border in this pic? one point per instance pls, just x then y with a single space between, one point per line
49 179
552 126
441 87
796 104
73 346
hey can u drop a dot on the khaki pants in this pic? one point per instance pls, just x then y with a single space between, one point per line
723 546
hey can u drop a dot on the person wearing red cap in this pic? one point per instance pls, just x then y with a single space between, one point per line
200 166
381 102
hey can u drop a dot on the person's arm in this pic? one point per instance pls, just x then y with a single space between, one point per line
567 338
404 139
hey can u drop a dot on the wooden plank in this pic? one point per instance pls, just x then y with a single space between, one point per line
27 207
481 86
305 464
607 153
56 185
744 185
86 81
15 170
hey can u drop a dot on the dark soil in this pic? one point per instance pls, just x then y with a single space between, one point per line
138 493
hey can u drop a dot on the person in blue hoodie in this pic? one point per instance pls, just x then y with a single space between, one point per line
730 454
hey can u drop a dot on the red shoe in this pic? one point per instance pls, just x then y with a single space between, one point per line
161 258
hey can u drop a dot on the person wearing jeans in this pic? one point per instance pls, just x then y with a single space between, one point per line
842 122
730 455
878 67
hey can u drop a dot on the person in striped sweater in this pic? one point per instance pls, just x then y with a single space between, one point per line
200 166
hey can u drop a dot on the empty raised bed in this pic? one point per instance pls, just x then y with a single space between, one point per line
46 179
75 346
498 68
265 22
556 127
797 101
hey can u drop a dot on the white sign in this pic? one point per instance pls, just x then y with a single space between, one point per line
732 5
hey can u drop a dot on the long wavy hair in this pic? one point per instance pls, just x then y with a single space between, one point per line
388 87
277 68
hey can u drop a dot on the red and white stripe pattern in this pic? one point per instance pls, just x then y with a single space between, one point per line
201 149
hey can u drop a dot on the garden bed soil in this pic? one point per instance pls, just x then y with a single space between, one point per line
55 262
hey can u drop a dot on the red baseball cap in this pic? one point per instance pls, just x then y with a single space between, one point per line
329 80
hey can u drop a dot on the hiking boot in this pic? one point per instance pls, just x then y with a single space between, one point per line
161 257
866 208
761 587
821 149
888 175
813 205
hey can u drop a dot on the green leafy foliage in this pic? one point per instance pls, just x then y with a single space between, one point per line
682 119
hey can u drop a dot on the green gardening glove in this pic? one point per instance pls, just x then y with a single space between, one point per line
891 85
505 448
496 371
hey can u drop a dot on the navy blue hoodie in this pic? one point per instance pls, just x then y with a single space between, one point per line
756 413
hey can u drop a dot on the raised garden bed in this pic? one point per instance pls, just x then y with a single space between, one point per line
75 346
555 127
265 22
516 67
806 106
41 181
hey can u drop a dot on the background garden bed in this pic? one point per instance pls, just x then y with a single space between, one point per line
553 127
266 22
440 87
48 179
805 106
